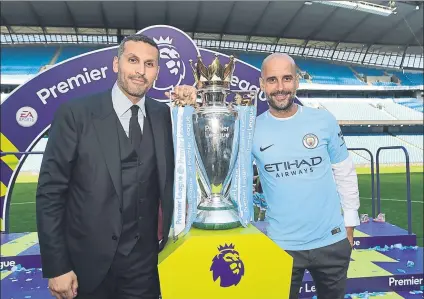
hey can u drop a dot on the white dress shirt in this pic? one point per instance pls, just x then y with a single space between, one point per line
122 106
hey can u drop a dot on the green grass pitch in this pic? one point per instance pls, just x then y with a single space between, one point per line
393 203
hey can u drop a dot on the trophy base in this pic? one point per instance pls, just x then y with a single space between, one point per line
216 213
205 264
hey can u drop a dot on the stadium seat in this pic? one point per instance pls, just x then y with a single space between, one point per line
25 60
327 73
364 109
352 109
409 78
375 141
412 103
401 112
72 51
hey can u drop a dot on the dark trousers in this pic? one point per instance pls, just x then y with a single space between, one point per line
328 267
130 277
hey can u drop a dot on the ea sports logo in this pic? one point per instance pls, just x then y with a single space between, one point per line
26 117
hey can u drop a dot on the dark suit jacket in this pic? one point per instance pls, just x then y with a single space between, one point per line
79 191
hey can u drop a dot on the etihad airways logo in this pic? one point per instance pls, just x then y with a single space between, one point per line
293 168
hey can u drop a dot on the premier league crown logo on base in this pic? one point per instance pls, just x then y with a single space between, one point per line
217 150
227 266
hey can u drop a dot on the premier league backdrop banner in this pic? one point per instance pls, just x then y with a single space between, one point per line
29 110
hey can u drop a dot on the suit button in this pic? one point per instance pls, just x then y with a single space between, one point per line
139 163
139 218
114 238
136 237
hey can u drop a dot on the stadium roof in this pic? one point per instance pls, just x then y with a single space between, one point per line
302 20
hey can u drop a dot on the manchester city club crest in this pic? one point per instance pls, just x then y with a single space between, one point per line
310 141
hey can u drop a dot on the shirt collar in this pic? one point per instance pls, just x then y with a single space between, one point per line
299 110
122 104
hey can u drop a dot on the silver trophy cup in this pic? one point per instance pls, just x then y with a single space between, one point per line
214 125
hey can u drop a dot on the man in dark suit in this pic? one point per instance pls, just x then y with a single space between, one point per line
107 168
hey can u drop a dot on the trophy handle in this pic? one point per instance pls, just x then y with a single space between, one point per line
245 97
182 103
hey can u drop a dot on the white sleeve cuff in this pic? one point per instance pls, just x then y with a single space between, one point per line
347 186
351 218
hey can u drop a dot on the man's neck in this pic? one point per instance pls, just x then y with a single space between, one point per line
133 99
284 113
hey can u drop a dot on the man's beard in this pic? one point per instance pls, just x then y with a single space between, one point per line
286 106
134 92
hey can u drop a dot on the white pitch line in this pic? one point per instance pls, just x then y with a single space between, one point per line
393 199
21 203
384 199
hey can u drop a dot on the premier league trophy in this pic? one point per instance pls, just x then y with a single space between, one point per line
213 247
213 193
213 152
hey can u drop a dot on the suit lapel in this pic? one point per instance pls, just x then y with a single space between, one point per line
159 130
105 123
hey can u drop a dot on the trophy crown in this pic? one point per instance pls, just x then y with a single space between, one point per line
213 75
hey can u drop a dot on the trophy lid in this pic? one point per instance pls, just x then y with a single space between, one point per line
213 75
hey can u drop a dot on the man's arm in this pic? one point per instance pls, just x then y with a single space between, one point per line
345 177
53 183
347 187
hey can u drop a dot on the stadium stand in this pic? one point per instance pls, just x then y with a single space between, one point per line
257 59
365 71
408 78
411 103
72 51
364 109
415 140
375 141
355 110
401 112
25 60
351 107
29 60
377 83
326 73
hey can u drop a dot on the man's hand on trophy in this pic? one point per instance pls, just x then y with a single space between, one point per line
183 95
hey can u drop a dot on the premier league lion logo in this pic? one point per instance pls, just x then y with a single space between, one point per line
172 68
228 266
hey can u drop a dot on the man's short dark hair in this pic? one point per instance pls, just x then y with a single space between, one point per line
136 38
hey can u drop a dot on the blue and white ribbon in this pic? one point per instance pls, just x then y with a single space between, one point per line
242 179
185 181
180 172
190 150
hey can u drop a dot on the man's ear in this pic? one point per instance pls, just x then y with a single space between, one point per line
115 64
261 83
